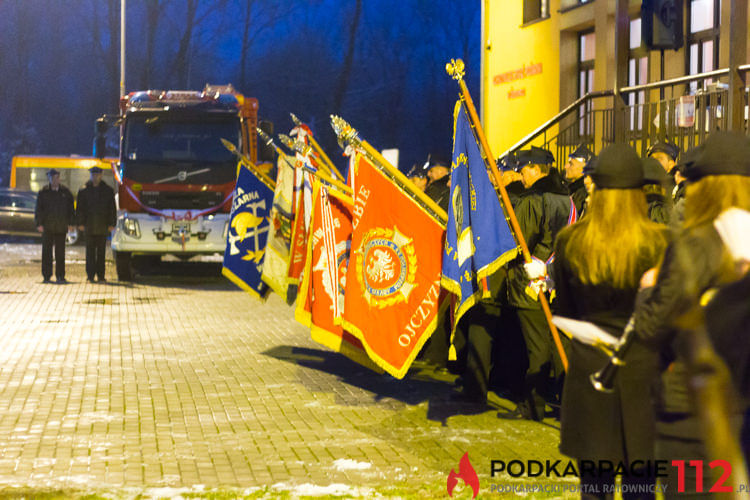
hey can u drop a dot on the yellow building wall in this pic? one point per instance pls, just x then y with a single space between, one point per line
521 71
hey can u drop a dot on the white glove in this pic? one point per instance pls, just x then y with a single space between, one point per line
535 269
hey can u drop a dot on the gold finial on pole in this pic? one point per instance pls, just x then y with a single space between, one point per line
296 120
343 130
455 69
298 146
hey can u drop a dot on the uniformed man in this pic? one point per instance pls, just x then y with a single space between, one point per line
54 218
655 179
438 175
511 178
542 210
96 214
418 176
666 154
577 160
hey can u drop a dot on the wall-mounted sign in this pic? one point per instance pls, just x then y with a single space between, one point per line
518 74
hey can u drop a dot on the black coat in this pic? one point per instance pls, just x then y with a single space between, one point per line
439 192
578 193
514 190
96 208
54 209
694 263
659 208
542 211
595 425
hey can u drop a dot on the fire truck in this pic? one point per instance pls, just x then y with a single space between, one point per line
175 177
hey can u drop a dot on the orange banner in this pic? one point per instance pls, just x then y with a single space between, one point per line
393 280
321 298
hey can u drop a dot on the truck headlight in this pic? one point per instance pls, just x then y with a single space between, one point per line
131 227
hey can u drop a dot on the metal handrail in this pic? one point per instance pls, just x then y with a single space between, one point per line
675 81
559 116
607 93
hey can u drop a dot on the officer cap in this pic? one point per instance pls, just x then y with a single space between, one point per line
436 160
533 156
617 167
722 153
95 170
52 172
416 171
653 172
664 147
507 162
581 153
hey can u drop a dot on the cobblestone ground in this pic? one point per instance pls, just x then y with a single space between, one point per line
178 384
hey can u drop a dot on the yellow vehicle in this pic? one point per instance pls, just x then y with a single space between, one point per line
29 173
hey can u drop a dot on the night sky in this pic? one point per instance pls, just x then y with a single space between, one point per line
379 64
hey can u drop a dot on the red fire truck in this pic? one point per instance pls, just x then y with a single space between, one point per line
175 177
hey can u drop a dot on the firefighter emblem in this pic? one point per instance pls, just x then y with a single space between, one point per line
386 267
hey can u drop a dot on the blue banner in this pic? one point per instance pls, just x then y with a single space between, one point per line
247 235
478 238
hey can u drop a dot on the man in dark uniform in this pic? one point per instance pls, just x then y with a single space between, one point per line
511 178
438 173
542 210
574 175
96 215
54 218
666 154
418 176
654 180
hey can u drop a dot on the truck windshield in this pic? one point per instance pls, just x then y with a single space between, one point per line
180 148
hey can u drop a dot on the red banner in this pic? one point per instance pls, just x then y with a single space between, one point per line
321 298
393 280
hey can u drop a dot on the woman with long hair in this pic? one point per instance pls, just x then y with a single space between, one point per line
696 262
597 268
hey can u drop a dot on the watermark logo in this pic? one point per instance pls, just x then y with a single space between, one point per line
465 472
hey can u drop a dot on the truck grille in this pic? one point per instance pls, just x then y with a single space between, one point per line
180 200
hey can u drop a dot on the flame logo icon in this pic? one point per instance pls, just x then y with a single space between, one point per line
465 472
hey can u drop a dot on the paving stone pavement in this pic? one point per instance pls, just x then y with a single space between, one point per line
179 380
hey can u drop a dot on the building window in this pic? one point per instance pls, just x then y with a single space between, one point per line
637 74
586 56
703 37
534 10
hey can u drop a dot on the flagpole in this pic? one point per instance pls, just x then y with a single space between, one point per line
250 165
323 156
455 69
342 190
349 135
306 150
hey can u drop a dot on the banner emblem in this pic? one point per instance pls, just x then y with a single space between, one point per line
386 267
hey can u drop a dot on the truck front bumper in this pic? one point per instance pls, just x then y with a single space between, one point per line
151 234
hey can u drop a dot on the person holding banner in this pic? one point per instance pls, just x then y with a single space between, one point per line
597 267
543 209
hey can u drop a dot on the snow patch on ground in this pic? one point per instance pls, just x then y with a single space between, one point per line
314 490
347 464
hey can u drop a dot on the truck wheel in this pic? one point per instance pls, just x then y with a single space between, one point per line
123 264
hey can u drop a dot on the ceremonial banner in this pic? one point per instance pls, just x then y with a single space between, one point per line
478 239
302 208
276 260
248 233
321 298
393 278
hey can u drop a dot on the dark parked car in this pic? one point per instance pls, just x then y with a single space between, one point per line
17 212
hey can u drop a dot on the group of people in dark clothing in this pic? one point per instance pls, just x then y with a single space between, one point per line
619 240
94 214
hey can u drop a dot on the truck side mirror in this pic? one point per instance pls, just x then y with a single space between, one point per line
266 152
100 139
100 146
